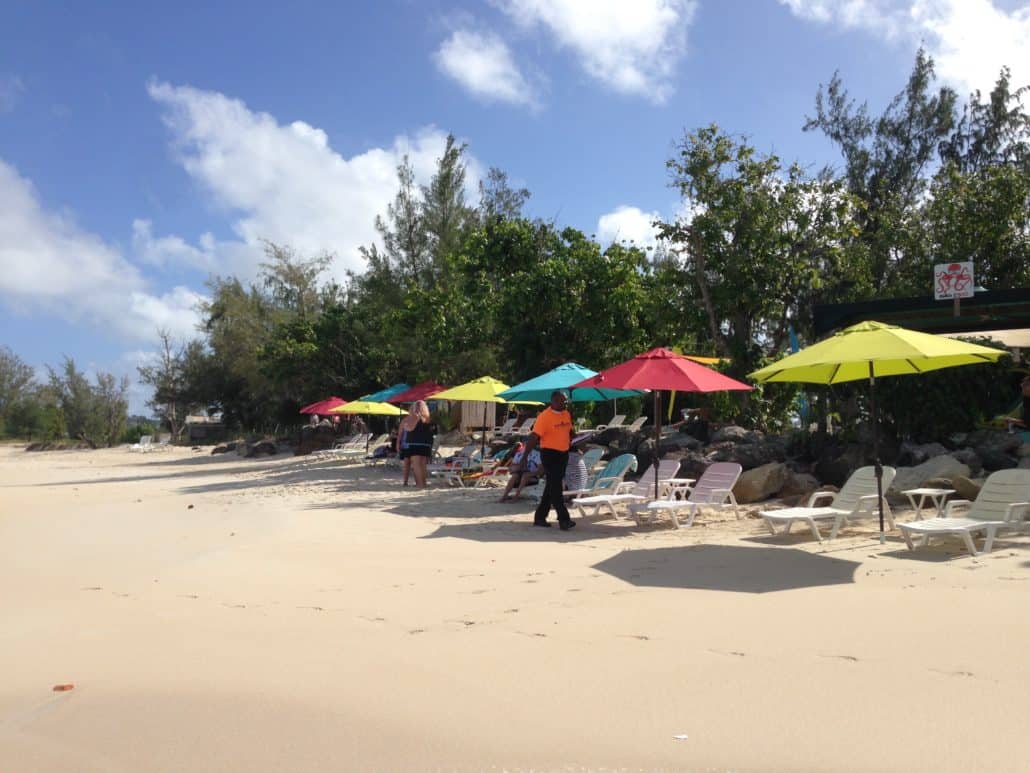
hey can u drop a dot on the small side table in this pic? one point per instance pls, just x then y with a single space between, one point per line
920 497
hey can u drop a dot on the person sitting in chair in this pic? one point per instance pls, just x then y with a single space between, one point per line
525 470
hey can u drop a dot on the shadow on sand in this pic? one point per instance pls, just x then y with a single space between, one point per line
728 568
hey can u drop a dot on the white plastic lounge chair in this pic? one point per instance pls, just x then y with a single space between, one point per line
857 499
164 442
1003 503
145 444
338 446
638 422
608 480
590 459
616 421
370 459
526 428
630 495
713 489
505 429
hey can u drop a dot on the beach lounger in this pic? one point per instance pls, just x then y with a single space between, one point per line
504 429
1003 503
526 428
637 424
608 480
713 489
616 421
145 444
628 494
857 499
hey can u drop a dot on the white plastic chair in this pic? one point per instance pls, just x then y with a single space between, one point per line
1003 503
713 489
630 495
857 499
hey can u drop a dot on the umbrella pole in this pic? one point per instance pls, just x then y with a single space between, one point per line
876 448
657 436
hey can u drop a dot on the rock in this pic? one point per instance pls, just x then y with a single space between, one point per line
1024 463
945 466
261 448
751 455
799 485
996 459
969 458
965 488
223 448
734 434
317 438
916 453
761 483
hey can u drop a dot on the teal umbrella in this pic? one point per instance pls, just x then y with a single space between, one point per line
385 394
539 388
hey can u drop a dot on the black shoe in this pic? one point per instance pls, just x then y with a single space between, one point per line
545 524
566 525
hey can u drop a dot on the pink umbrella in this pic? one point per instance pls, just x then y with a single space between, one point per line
661 369
323 407
421 391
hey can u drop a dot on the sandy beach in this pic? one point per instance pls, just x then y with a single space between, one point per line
224 614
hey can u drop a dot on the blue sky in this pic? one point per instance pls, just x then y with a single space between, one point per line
146 146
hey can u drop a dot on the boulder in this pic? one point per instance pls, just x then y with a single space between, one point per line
916 453
753 454
734 434
761 483
317 438
944 466
965 488
224 448
996 459
799 485
260 448
969 458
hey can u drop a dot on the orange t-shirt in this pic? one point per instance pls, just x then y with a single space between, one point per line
553 428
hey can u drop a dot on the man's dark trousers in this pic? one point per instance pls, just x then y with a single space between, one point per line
554 463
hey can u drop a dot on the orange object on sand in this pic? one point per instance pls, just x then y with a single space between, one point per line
63 687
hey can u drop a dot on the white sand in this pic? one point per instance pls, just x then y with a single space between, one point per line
224 614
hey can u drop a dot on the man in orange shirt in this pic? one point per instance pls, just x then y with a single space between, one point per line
553 432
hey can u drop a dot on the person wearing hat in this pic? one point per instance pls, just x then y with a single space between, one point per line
552 432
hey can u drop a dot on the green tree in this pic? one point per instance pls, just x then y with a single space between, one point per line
764 244
173 377
17 383
887 162
94 413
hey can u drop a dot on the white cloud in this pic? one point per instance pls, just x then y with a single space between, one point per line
482 64
283 182
51 265
633 47
970 40
628 224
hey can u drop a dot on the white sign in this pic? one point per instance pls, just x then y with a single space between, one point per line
953 280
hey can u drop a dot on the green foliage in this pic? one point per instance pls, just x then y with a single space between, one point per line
94 413
17 384
933 405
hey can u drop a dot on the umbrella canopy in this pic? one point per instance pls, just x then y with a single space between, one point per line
418 392
868 350
874 349
323 407
383 394
539 389
661 369
370 408
484 389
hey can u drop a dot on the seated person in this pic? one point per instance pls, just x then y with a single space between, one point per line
524 471
1024 422
575 471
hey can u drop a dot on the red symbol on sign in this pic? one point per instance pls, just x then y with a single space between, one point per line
953 281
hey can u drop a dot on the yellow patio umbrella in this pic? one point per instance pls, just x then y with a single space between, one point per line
484 389
871 349
369 408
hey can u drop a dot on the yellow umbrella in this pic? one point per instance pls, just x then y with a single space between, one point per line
868 350
484 389
369 408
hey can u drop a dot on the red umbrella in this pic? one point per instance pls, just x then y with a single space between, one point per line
418 392
322 407
661 369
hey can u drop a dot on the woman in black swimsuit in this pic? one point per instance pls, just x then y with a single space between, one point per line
418 440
